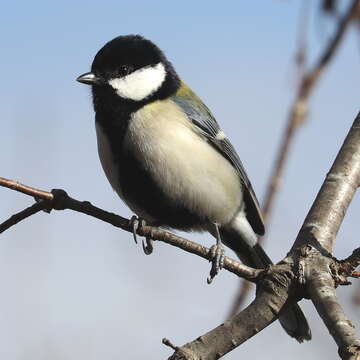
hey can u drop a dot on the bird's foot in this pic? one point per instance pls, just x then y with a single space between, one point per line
217 253
136 224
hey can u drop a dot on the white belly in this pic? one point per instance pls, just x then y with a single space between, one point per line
189 169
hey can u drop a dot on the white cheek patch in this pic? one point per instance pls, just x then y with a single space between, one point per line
141 83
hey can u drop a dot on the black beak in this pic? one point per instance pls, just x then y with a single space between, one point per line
88 78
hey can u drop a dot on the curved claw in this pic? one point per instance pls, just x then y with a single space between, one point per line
134 221
148 248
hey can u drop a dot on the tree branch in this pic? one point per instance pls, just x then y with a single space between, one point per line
317 236
299 109
16 218
328 210
28 190
59 200
321 288
271 298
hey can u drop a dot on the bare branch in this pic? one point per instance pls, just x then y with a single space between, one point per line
271 298
299 108
16 218
28 190
353 261
321 288
59 200
328 210
317 237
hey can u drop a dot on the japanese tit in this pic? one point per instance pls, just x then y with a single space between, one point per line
165 155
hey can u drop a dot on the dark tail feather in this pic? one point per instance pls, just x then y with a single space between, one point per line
292 320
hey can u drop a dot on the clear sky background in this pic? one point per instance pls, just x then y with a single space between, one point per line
72 287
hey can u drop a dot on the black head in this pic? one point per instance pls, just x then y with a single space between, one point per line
133 69
125 54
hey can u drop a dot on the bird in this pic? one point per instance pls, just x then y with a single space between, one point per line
167 158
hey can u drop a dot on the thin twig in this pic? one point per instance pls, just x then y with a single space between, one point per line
302 35
16 218
28 190
299 108
59 200
349 265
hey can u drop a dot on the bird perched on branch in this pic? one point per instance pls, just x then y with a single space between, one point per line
166 156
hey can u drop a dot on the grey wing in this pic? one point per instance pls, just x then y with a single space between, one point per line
201 116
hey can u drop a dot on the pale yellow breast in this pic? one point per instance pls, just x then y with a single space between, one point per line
189 169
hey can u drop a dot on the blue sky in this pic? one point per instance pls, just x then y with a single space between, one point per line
73 287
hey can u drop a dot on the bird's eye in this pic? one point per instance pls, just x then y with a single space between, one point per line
125 70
